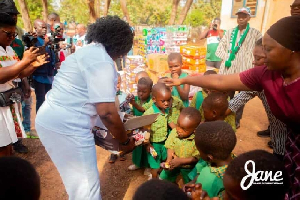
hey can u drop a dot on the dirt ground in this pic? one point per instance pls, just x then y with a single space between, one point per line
119 183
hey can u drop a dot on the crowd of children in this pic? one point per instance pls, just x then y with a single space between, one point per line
192 141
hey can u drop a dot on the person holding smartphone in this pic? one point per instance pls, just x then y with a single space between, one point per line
213 36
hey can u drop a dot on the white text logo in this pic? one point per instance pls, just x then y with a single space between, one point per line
260 177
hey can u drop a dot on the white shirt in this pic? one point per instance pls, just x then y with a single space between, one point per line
83 41
86 77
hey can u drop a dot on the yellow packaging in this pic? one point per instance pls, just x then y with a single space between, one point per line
195 51
157 62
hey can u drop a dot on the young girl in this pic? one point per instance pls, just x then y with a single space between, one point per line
182 91
144 89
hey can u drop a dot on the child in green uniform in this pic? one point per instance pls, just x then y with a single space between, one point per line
161 96
182 151
182 91
214 108
201 95
215 142
144 89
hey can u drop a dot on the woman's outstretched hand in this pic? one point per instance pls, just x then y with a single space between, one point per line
172 82
40 60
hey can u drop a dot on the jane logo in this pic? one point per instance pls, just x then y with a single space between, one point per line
260 177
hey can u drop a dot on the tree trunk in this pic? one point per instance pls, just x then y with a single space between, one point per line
25 15
125 11
106 7
174 11
91 5
185 11
45 10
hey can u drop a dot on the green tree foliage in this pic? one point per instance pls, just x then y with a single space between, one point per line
74 11
203 12
35 10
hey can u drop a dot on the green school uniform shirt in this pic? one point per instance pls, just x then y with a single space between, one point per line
177 106
210 177
183 148
138 101
175 91
174 112
159 129
197 103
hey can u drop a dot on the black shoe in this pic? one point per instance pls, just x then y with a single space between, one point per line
263 134
270 144
113 158
19 147
237 126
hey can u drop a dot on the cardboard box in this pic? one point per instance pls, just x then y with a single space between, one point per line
105 139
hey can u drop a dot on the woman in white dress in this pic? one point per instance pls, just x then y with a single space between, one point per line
10 68
83 90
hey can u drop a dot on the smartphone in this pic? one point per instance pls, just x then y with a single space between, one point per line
42 50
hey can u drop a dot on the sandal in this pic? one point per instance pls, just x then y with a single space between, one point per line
113 158
122 157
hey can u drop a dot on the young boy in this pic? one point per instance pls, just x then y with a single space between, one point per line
161 96
215 142
144 89
175 108
264 162
182 151
140 75
214 108
182 91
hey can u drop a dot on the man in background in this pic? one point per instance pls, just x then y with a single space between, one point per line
213 35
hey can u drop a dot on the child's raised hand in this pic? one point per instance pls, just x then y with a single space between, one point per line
175 75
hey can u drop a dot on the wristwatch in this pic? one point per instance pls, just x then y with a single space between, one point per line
125 143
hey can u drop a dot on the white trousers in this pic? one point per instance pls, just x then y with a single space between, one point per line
75 159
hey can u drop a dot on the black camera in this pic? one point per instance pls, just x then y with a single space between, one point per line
55 37
215 27
29 39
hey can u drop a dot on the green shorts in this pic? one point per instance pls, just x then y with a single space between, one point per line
161 155
171 175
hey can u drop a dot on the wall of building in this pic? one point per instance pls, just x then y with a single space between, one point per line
268 12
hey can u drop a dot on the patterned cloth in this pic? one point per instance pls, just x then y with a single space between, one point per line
183 148
177 106
10 120
243 59
278 129
174 112
138 101
292 163
230 119
159 129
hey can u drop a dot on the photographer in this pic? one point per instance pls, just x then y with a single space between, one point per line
213 35
9 7
10 68
43 76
